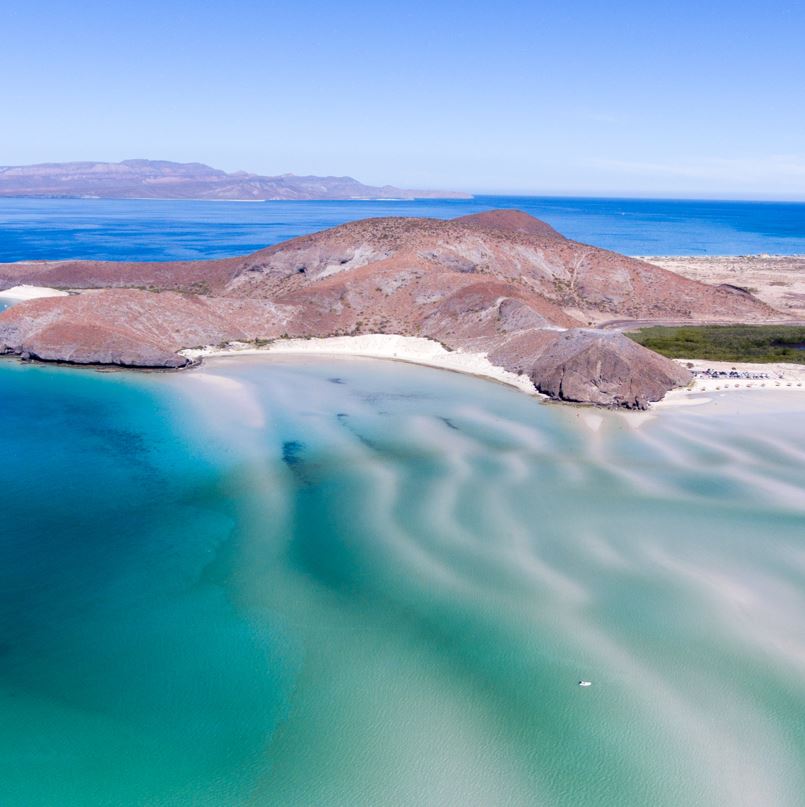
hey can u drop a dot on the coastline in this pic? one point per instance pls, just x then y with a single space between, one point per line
779 376
777 389
426 352
411 349
723 377
26 292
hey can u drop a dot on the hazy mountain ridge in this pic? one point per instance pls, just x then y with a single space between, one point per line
162 179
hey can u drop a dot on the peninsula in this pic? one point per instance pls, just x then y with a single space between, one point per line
161 179
500 285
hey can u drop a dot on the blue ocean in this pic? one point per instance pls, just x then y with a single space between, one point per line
150 230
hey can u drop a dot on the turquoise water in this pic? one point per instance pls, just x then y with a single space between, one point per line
150 230
310 582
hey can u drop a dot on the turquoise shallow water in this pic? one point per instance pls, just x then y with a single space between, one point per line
335 582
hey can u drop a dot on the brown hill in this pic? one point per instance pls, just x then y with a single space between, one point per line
502 283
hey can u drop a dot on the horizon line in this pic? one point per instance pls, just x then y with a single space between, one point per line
616 196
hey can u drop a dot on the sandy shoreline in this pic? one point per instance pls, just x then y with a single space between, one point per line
418 350
780 376
412 349
25 292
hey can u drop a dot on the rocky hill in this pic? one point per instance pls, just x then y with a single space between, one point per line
160 179
500 283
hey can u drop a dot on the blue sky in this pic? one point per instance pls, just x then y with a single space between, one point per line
703 98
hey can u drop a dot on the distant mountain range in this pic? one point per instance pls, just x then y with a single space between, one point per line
161 179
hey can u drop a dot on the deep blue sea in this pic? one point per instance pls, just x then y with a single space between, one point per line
152 230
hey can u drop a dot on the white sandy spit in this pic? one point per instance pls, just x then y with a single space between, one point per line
414 349
30 293
745 376
711 376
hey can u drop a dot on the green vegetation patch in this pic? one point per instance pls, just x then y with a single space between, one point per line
751 343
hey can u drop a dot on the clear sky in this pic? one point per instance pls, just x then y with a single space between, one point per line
684 98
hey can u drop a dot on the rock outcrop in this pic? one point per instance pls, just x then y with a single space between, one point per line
133 328
500 283
604 368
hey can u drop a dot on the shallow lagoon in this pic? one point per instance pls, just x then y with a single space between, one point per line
331 582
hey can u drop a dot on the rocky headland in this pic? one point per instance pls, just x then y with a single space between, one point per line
501 284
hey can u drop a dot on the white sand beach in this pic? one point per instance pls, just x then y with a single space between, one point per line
20 293
413 349
782 385
711 376
419 350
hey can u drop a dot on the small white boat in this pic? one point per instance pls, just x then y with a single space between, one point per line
585 683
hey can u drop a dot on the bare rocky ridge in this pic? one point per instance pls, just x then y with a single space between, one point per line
500 283
161 179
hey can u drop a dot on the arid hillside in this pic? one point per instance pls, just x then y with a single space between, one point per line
778 280
500 283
